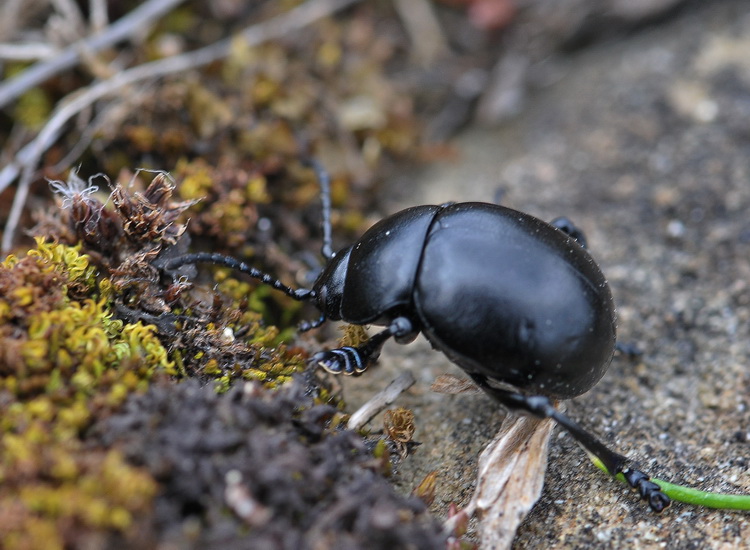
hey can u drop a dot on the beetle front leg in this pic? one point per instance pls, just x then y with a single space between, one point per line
304 326
541 407
354 360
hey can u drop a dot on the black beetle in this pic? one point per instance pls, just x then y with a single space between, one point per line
517 303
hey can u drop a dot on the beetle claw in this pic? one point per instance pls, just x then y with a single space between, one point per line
659 501
649 491
355 360
346 360
327 362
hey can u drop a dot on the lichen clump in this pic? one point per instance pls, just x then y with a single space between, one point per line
66 361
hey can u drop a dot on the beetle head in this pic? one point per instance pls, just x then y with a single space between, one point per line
329 286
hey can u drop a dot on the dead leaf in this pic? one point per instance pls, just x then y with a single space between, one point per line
510 479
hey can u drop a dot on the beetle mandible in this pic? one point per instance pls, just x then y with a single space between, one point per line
517 303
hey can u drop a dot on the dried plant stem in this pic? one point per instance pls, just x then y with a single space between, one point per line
27 159
26 52
127 26
380 401
427 38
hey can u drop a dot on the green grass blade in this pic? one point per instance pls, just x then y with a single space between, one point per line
680 493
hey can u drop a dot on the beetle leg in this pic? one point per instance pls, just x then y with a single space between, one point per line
541 407
569 228
629 349
304 326
347 360
355 360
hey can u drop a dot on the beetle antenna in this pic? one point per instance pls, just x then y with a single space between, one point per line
324 180
300 294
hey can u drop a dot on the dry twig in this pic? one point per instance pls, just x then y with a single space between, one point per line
27 52
380 401
427 37
27 159
127 26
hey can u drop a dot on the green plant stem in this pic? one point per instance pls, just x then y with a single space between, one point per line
689 495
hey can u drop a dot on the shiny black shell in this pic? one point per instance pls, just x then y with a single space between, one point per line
383 266
501 293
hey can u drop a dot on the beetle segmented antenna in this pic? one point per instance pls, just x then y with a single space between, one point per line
324 180
300 294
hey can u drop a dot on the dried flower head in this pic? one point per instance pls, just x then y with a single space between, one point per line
151 216
87 217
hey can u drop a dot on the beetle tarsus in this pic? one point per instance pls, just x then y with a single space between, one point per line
649 491
353 360
347 360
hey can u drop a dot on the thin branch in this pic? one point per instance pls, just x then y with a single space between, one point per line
28 157
27 52
380 401
99 17
123 28
10 17
427 38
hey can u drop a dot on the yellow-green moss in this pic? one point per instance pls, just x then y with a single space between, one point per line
196 181
256 189
33 108
64 357
65 361
67 259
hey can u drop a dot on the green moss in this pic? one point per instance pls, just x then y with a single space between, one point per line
196 181
33 108
64 358
256 189
102 496
252 299
66 361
